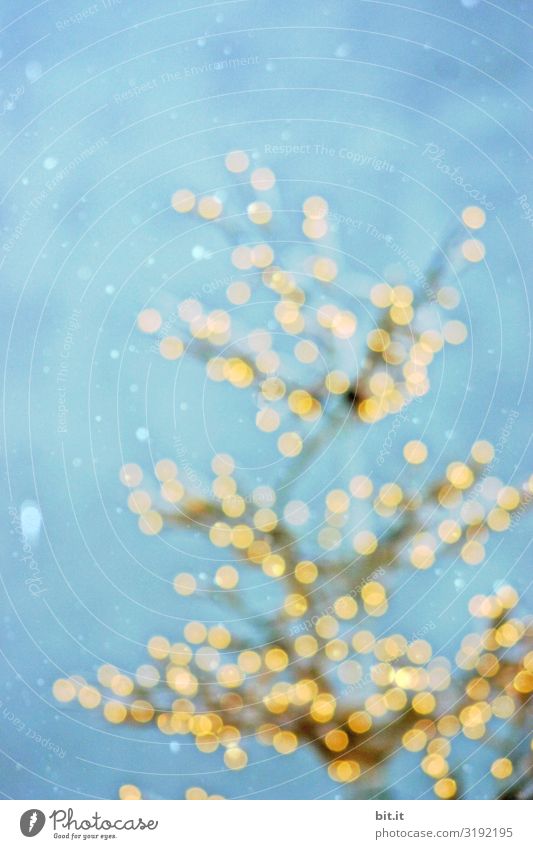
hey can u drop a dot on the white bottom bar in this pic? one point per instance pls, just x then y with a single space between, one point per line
264 825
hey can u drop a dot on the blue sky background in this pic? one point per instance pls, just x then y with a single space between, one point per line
103 117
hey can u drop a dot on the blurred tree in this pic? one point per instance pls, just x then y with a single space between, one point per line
325 665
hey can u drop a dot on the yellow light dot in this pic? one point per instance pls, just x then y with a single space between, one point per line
209 207
183 200
262 179
435 766
365 542
448 297
508 498
508 597
227 577
345 607
459 475
290 444
171 348
122 685
184 584
238 292
158 647
482 451
172 491
424 703
241 257
455 332
378 340
415 452
149 321
306 646
373 593
115 712
195 794
295 604
273 565
344 771
129 792
147 676
472 552
502 768
337 501
359 722
401 315
306 351
276 659
414 740
64 690
131 474
89 697
523 682
300 401
259 212
249 661
422 557
150 523
314 229
445 788
238 372
336 740
235 758
267 420
305 572
498 520
449 531
195 632
390 494
419 651
361 486
285 742
242 536
325 269
337 382
381 295
402 296
327 627
219 637
165 470
142 711
237 161
473 250
315 207
473 217
323 707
